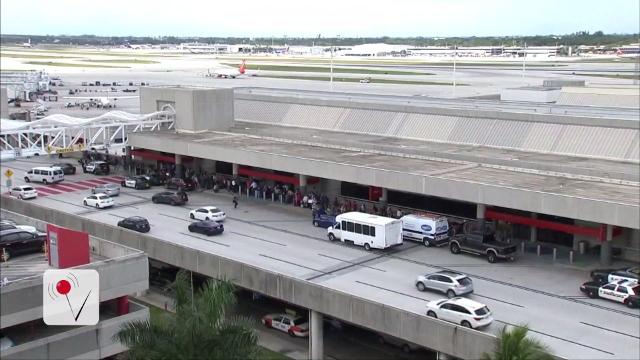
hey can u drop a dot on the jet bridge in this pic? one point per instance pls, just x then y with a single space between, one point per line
60 133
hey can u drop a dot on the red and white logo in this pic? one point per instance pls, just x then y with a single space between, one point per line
71 297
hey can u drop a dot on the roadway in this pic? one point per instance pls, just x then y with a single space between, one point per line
281 238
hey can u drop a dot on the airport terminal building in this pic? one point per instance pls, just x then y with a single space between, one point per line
568 180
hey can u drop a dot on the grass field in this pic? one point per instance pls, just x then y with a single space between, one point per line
319 69
63 64
612 76
338 61
373 81
121 61
34 56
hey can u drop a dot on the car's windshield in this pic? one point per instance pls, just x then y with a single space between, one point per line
636 290
464 281
27 188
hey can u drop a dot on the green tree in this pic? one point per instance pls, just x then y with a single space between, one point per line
514 344
199 329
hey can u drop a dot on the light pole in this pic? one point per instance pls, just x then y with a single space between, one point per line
454 69
331 70
524 61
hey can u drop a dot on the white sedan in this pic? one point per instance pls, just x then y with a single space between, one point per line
292 325
24 192
462 311
100 201
208 213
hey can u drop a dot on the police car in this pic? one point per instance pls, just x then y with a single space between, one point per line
626 292
136 182
604 276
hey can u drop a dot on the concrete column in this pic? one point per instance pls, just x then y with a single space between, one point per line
605 247
384 199
235 168
534 230
316 340
179 169
303 183
480 210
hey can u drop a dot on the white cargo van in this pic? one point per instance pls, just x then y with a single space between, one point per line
45 175
431 230
370 231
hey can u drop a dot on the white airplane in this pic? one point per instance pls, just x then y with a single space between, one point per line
27 44
99 102
228 72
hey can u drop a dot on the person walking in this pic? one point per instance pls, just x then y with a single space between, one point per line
235 202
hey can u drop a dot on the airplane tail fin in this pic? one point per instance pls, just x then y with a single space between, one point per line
243 67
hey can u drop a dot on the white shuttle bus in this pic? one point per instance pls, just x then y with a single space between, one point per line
370 231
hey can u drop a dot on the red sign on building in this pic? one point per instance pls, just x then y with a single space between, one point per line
67 248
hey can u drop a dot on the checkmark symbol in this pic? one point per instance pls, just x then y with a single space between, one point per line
82 307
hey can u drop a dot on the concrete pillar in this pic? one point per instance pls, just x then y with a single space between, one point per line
534 230
303 183
605 247
123 305
384 198
316 340
179 169
234 169
480 210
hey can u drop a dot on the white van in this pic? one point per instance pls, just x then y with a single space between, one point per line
370 231
431 230
45 175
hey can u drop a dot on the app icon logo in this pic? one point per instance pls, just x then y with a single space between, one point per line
71 297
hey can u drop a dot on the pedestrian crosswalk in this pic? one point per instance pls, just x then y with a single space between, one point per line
65 187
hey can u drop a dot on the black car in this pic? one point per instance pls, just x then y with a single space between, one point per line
177 183
136 182
97 168
168 197
154 179
17 241
67 169
604 276
206 227
135 223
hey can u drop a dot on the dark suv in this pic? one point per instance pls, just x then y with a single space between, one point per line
177 183
67 169
168 197
135 223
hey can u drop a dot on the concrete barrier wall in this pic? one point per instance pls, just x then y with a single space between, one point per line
127 272
86 342
417 328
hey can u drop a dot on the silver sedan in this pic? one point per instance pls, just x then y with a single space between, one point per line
449 282
109 189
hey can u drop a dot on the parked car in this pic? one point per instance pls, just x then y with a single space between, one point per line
154 179
168 197
135 223
17 241
67 169
206 227
604 276
622 291
136 182
480 240
323 220
5 225
97 168
406 346
5 342
109 189
449 282
462 311
100 201
208 213
291 324
177 183
23 192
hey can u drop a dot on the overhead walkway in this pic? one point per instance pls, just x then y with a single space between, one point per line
60 133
